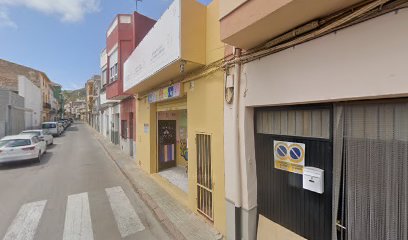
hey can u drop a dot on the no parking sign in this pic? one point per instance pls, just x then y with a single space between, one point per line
289 156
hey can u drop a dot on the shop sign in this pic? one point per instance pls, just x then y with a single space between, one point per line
166 93
289 156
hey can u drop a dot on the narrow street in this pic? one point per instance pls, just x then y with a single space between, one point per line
76 192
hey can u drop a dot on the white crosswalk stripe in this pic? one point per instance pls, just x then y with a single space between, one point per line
26 222
78 224
125 215
78 221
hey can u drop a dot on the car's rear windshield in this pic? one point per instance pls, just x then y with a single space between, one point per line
15 143
48 125
32 133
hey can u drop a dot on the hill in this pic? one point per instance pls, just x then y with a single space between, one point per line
73 95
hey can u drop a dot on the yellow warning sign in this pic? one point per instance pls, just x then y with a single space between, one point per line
289 156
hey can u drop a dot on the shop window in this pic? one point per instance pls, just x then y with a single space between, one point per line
301 123
124 129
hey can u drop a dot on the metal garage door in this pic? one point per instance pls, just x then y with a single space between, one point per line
281 196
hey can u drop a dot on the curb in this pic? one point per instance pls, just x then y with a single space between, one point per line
147 199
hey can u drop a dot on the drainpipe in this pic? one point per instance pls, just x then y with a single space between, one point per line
235 124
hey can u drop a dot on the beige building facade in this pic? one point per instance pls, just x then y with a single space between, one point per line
325 85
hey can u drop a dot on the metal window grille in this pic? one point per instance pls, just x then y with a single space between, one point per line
204 176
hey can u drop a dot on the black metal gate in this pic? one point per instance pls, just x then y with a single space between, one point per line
281 197
167 144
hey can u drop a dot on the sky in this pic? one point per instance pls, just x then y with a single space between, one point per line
64 38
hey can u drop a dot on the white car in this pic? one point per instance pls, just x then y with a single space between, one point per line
21 148
52 127
42 134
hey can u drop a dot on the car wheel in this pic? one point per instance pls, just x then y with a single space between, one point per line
52 142
38 159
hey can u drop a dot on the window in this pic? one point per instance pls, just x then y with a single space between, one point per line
48 125
113 73
113 66
35 140
124 129
104 77
15 143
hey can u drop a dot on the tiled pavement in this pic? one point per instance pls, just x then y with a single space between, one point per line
179 221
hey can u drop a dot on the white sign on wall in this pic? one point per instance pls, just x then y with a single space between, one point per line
160 47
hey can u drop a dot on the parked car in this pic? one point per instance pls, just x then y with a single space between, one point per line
71 120
53 128
61 127
63 123
21 148
67 121
42 134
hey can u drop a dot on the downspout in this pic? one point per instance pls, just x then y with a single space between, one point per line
236 135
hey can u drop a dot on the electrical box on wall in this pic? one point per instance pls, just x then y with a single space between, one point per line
313 179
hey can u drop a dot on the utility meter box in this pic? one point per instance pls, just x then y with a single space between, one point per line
313 179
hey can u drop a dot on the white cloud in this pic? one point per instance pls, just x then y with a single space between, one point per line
67 10
5 20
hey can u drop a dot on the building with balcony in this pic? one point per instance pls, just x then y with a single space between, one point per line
316 115
179 107
109 110
122 37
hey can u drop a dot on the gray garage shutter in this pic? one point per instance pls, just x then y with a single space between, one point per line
376 163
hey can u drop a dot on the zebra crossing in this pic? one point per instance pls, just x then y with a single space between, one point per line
78 220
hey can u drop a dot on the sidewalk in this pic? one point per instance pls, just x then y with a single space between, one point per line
177 219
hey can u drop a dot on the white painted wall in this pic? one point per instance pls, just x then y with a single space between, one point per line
160 47
368 60
365 61
32 100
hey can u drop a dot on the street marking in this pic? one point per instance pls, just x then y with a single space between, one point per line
26 222
78 224
125 215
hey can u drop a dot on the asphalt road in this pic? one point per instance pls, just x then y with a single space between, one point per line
75 193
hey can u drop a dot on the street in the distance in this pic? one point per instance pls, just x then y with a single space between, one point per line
75 192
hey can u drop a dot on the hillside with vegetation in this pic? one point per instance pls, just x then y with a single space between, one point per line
74 95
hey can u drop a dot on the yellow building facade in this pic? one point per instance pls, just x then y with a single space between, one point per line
180 112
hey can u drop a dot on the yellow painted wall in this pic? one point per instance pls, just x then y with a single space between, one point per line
193 27
146 141
205 114
214 46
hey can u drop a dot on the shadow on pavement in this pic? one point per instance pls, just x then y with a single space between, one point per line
72 129
26 164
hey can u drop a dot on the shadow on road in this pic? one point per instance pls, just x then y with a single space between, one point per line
72 129
26 164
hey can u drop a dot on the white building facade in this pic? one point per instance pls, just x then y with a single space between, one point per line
32 100
342 98
109 110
